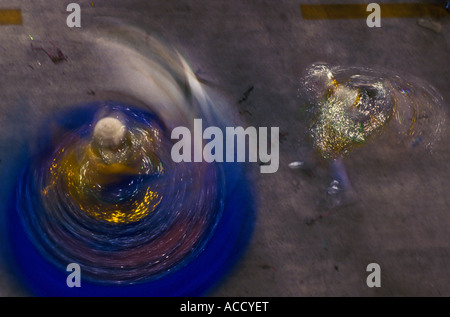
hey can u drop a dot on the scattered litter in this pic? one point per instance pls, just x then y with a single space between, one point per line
246 94
55 57
296 165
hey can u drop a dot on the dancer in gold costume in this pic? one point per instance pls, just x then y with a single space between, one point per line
351 105
114 156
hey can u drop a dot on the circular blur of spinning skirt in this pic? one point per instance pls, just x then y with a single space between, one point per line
107 196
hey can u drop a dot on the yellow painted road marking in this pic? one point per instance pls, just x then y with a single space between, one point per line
10 17
359 11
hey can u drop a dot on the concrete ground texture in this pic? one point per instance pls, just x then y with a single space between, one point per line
401 219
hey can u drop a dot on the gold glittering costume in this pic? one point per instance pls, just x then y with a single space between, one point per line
347 113
90 173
